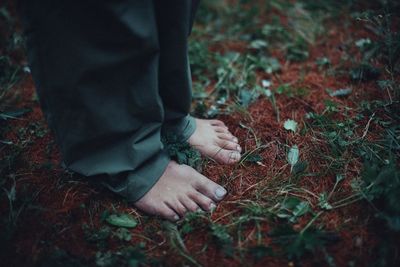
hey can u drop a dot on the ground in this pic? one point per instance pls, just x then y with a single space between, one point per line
312 92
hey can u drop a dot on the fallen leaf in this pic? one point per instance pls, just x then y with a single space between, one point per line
122 220
290 125
341 92
266 83
293 156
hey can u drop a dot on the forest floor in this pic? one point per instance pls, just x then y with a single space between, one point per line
312 92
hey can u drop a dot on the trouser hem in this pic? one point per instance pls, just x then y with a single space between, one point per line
181 128
137 183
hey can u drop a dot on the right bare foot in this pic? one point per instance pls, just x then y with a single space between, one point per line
179 190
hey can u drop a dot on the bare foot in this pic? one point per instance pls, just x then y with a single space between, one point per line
213 139
179 190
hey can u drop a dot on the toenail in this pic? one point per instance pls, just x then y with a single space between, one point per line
238 148
199 210
176 217
235 139
212 207
220 192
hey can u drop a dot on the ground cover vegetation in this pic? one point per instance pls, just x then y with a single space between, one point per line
311 88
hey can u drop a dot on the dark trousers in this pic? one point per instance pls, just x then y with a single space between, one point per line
112 76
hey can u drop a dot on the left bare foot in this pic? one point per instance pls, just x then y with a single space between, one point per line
213 139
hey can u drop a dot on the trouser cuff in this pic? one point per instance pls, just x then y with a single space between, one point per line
182 128
136 184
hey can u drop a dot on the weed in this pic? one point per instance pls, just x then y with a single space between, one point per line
131 256
181 151
97 236
292 208
298 244
223 239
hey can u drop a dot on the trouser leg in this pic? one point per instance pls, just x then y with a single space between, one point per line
174 20
95 65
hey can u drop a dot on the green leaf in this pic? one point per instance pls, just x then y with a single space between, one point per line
223 238
290 203
253 157
267 93
268 64
258 44
293 156
14 114
123 234
290 125
363 43
245 97
301 209
122 220
300 167
220 232
260 251
364 72
323 61
339 178
341 92
323 201
266 83
309 241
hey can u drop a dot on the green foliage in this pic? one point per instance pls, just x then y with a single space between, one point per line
364 72
267 64
297 51
131 256
97 236
381 184
259 252
223 238
181 151
290 125
293 156
121 220
290 91
297 244
323 62
387 45
292 208
193 221
200 58
323 201
123 234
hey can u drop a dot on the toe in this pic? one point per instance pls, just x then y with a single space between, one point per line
204 202
220 129
178 207
234 157
167 213
210 189
189 204
217 123
226 136
229 145
227 156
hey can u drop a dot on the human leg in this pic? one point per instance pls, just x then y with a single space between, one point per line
95 66
211 137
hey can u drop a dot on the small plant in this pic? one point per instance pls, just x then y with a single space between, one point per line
297 244
223 238
182 152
